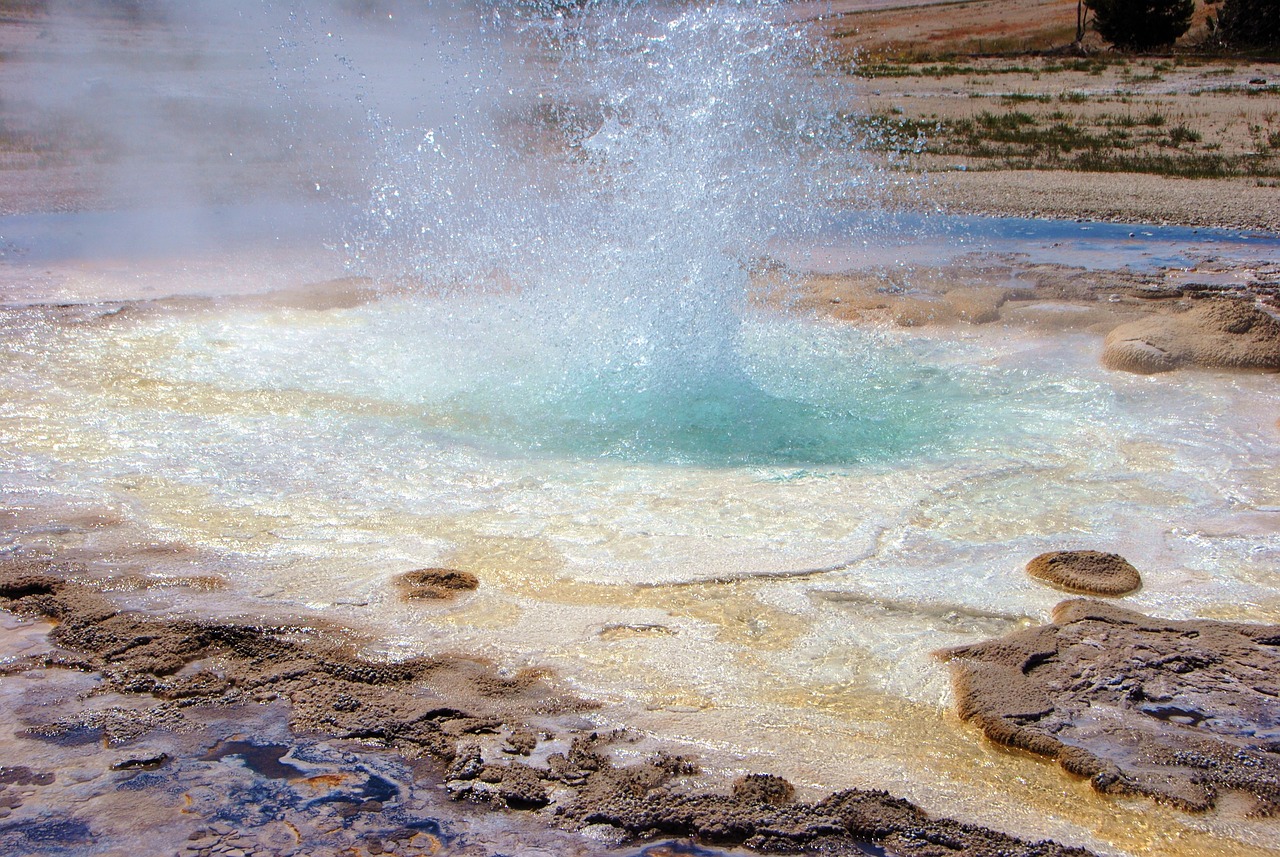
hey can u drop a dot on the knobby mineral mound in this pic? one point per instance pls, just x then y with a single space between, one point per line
1219 333
1086 572
1181 711
464 716
436 583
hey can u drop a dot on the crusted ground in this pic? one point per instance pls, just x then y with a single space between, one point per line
1182 711
508 741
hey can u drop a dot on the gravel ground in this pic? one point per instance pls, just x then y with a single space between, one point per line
1228 203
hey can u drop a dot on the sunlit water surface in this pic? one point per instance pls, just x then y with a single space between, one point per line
741 530
761 563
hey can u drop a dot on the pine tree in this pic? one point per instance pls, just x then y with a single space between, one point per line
1250 23
1141 24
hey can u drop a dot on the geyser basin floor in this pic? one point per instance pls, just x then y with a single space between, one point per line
776 607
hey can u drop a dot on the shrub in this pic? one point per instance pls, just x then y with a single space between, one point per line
1141 24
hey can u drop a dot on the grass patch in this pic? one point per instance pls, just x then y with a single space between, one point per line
1023 98
1016 139
1191 166
1238 89
1180 135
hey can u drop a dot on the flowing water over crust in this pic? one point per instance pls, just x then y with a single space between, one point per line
739 530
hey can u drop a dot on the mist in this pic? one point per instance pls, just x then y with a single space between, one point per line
203 120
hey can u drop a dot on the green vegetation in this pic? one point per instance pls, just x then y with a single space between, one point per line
1142 24
1250 23
1250 91
1017 139
901 68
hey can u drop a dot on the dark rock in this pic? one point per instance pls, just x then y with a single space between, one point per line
763 788
143 763
467 763
521 742
21 775
635 800
435 583
1174 710
1086 572
427 707
519 785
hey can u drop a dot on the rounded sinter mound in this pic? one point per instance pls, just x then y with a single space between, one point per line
1087 572
1215 334
435 583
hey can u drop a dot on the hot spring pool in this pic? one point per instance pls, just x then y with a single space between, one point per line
759 560
743 531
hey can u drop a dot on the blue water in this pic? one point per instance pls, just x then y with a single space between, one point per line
884 239
913 239
140 234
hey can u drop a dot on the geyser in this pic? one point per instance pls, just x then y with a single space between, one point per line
616 173
733 526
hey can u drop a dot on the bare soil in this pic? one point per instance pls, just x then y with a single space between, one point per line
1006 117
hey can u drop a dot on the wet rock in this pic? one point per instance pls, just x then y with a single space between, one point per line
467 763
1218 333
763 788
21 775
637 801
980 305
519 785
141 763
520 742
1182 711
426 708
435 583
201 683
1086 572
330 690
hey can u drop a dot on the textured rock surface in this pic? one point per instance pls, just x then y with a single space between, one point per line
1087 572
1219 333
1182 711
435 583
457 715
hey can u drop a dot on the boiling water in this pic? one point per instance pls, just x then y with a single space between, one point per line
737 528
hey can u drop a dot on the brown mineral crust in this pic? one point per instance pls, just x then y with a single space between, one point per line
764 788
1218 333
434 707
521 742
435 584
331 691
1181 711
1086 572
628 798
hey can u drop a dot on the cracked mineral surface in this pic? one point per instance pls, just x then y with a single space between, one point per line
202 737
1181 711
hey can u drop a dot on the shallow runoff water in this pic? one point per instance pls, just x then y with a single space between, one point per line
741 530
